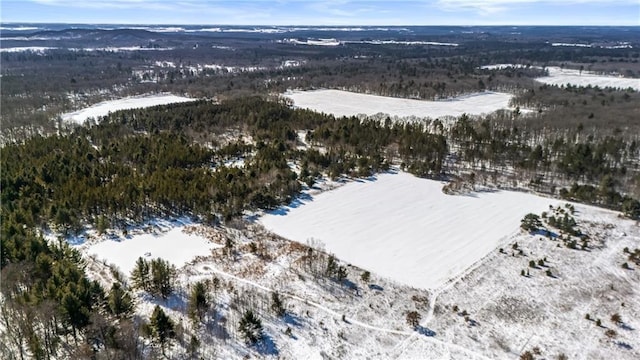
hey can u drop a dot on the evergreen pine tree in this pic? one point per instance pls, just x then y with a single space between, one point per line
250 327
162 327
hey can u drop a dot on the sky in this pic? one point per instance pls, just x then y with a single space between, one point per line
325 12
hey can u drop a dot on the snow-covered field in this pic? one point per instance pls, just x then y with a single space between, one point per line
345 103
106 107
405 228
175 245
35 49
558 76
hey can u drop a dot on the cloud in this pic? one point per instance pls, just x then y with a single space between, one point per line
495 6
112 4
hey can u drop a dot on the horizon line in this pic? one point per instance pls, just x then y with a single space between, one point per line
309 25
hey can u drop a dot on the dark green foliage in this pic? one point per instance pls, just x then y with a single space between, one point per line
531 222
157 277
119 301
605 196
250 327
161 327
566 223
162 277
141 275
277 305
332 266
365 277
335 270
198 302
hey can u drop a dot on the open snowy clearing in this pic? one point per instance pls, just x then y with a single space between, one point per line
175 245
106 107
345 103
35 49
516 313
405 228
558 76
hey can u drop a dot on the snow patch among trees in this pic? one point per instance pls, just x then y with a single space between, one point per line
106 107
344 103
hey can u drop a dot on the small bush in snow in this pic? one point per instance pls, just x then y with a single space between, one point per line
527 355
365 277
616 318
413 318
549 273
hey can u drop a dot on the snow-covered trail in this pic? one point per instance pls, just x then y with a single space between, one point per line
410 334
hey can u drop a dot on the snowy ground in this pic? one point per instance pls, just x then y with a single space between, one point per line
35 49
405 228
176 244
500 313
344 103
106 107
558 76
513 313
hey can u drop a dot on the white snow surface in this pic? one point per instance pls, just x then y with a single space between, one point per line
405 228
558 76
174 245
345 103
104 108
35 49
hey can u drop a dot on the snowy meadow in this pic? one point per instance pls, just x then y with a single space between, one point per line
106 107
405 228
345 103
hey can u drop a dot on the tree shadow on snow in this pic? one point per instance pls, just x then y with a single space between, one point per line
376 287
425 331
624 326
300 200
291 319
267 346
624 345
545 233
350 284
